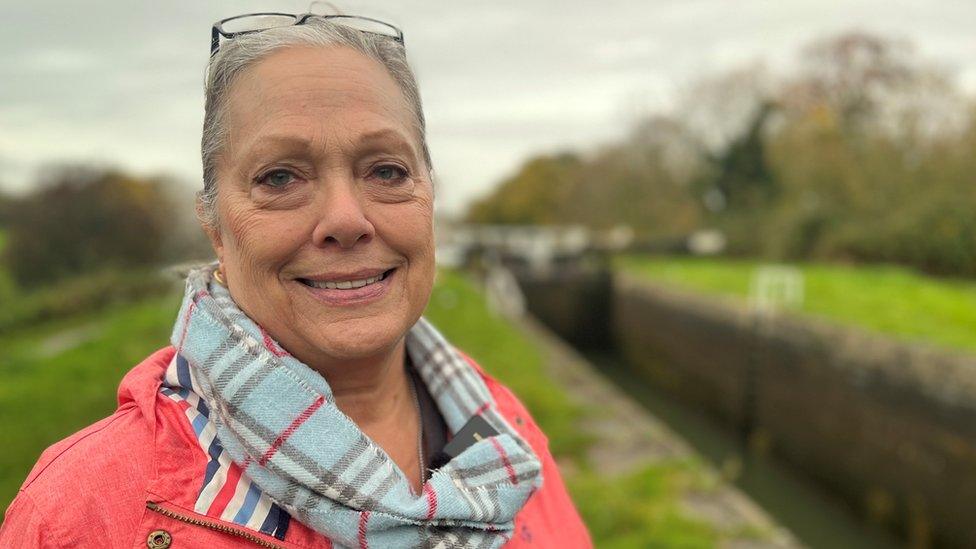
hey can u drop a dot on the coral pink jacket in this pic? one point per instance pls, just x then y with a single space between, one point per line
130 481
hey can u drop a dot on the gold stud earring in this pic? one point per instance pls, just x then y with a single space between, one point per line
219 276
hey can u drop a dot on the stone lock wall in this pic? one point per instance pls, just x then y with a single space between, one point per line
888 425
572 303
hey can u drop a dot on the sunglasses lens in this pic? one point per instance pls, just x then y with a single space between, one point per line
257 22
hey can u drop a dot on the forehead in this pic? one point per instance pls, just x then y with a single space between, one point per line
305 91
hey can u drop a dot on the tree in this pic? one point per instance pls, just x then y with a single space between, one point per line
81 219
873 84
865 153
642 182
856 153
741 174
536 194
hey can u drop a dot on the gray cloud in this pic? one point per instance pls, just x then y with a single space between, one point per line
121 82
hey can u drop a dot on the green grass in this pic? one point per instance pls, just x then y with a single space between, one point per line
45 398
457 308
623 512
891 300
640 510
85 293
627 512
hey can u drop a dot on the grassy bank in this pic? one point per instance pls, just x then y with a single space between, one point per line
637 510
85 357
890 300
86 293
59 376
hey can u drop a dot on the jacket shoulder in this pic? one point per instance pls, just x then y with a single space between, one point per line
511 408
122 442
95 479
89 486
549 518
101 447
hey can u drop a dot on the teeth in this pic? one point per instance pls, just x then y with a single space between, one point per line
344 284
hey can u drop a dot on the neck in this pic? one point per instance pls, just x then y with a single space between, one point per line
375 394
371 390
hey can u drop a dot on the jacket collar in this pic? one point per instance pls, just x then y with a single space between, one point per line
140 386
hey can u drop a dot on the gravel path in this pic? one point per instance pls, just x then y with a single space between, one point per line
627 437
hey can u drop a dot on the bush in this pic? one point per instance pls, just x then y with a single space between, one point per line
83 220
81 294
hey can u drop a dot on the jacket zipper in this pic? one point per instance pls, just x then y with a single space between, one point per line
153 506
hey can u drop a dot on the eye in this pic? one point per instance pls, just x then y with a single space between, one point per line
389 173
276 178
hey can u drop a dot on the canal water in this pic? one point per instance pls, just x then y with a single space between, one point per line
816 518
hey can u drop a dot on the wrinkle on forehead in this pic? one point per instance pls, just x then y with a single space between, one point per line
307 91
301 143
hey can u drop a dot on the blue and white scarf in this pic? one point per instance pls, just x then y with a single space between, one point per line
278 421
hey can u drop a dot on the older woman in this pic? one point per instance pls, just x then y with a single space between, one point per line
304 402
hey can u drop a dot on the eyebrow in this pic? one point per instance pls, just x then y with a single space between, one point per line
277 142
382 134
300 144
387 136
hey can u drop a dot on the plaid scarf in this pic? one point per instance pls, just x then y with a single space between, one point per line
278 421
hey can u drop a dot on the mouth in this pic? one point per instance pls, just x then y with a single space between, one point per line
349 284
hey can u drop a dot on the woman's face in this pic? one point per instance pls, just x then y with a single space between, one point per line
325 205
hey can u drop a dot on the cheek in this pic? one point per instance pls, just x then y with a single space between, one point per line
259 240
415 239
408 229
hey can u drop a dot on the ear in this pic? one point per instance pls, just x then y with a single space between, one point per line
211 227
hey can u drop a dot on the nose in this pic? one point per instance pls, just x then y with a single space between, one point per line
342 218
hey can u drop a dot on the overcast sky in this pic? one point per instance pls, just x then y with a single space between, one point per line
121 82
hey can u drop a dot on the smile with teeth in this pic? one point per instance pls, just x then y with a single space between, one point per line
345 284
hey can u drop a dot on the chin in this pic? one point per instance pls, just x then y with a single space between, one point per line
360 338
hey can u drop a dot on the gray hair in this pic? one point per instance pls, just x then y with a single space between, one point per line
237 55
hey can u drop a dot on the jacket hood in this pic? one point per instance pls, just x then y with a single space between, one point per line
140 386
